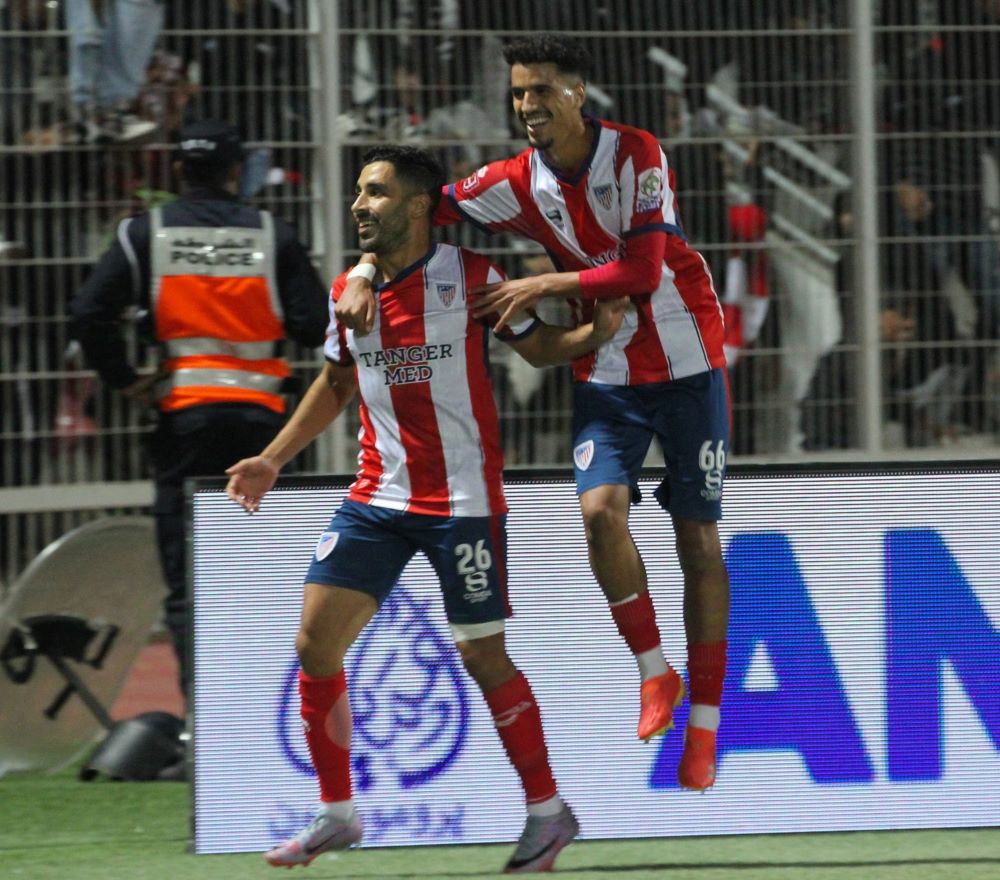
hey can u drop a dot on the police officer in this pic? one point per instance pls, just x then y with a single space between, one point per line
220 284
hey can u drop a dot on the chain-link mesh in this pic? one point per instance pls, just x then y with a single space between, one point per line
77 157
940 113
752 104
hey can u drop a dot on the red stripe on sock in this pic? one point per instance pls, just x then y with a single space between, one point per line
519 724
707 672
326 711
636 622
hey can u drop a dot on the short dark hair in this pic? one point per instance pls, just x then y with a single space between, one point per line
569 55
415 167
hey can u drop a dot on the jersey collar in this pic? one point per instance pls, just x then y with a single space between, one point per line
409 270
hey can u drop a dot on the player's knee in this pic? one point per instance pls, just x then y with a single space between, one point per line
698 545
317 657
489 666
604 524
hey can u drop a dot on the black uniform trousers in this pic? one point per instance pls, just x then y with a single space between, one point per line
200 441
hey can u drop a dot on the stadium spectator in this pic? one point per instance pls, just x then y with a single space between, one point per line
599 197
431 483
940 104
436 85
721 189
111 43
244 68
219 285
168 91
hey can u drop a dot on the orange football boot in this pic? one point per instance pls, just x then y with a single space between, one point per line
659 697
696 770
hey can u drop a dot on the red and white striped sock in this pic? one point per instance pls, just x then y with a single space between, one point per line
636 621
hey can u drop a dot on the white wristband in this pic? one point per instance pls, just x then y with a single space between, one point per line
363 270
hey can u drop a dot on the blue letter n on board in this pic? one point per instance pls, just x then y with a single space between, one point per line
806 710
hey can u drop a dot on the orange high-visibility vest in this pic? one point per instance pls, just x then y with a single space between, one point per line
217 314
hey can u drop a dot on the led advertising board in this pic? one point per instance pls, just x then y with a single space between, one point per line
863 686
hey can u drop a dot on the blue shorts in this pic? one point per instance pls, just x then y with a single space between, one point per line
613 426
366 548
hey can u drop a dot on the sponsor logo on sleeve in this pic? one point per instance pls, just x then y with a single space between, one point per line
649 196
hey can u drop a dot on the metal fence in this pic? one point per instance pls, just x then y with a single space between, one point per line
74 162
836 163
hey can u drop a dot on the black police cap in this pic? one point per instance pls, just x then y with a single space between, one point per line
210 142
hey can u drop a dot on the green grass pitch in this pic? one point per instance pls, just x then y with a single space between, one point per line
54 827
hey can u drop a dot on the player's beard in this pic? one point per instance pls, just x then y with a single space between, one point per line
539 144
390 233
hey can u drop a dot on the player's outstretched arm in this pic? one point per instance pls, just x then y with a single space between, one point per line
548 345
637 270
250 479
355 309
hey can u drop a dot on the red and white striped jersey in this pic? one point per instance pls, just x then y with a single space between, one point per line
623 189
430 436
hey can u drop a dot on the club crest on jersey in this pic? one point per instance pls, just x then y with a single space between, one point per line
324 547
650 191
446 293
603 196
583 454
555 215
